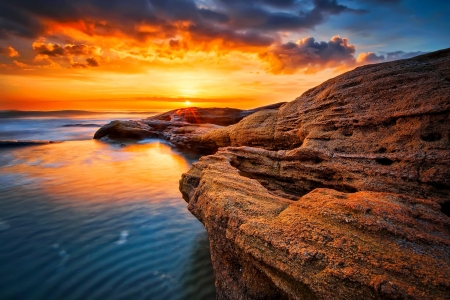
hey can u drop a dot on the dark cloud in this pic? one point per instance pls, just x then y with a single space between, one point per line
214 16
370 57
274 3
92 62
309 55
16 22
81 49
70 53
55 50
48 49
384 2
402 55
177 26
229 20
78 65
332 7
256 14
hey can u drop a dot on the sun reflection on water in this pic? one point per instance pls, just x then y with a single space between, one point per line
99 171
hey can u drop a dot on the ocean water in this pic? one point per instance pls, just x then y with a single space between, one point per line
83 219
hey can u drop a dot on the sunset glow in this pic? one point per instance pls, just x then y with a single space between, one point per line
95 169
158 55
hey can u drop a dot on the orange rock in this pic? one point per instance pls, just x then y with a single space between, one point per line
341 194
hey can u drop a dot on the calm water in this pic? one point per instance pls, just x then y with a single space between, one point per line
83 219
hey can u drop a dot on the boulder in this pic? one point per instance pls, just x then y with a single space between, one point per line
123 130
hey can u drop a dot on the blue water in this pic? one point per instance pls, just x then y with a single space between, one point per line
52 127
83 219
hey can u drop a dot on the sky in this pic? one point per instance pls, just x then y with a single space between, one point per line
165 54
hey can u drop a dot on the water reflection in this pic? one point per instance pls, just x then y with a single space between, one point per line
100 172
89 220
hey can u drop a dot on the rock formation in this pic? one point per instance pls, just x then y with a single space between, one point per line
182 127
343 193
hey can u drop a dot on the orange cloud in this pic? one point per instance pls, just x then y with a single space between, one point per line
9 52
49 64
68 50
90 62
48 49
73 54
369 57
21 65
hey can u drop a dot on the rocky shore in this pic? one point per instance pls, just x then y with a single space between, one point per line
343 193
184 128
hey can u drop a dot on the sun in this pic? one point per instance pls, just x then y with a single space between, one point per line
187 103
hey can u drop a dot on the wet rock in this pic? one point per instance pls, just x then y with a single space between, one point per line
124 129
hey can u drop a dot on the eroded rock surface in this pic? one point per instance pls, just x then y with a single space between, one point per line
341 194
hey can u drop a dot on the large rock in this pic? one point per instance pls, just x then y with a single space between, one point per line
215 115
182 127
343 193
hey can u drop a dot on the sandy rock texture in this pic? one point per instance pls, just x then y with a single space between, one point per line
343 193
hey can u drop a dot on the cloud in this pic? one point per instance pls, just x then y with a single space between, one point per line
48 49
72 53
9 52
383 2
271 15
17 22
20 64
234 23
68 50
402 55
160 31
92 62
309 56
48 64
370 57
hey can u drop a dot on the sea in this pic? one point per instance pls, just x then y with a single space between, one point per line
86 219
